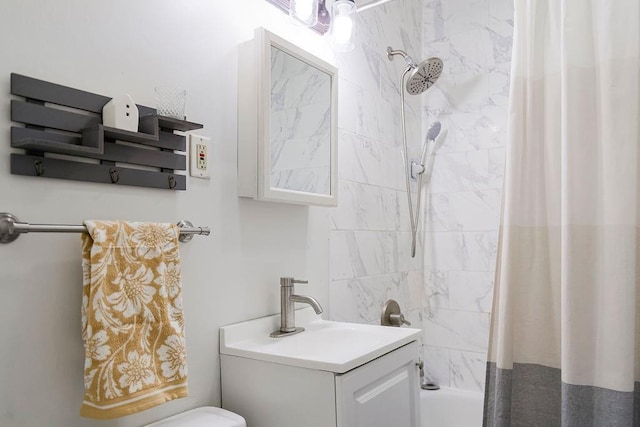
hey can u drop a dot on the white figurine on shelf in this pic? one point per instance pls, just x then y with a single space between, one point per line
121 113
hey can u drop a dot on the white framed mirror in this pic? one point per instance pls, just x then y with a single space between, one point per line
287 123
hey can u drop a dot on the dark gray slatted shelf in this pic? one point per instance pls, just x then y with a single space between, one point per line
64 169
111 152
125 135
176 124
80 133
37 140
44 91
57 94
52 118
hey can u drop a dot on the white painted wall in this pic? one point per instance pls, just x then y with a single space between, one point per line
121 46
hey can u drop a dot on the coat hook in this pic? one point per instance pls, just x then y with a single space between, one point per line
38 164
115 177
172 182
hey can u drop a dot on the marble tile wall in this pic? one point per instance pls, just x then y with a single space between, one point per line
473 38
447 289
370 239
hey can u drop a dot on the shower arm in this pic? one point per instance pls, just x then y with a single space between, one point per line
409 60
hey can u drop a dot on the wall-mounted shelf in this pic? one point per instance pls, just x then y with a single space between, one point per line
125 135
77 130
175 124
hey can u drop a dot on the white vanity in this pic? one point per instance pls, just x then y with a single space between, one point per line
332 374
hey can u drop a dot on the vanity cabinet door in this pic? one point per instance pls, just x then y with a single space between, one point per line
273 395
382 393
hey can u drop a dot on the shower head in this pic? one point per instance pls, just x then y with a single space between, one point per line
423 75
434 131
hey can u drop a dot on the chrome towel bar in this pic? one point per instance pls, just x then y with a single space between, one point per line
11 228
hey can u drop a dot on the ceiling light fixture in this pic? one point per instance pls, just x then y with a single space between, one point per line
304 12
342 26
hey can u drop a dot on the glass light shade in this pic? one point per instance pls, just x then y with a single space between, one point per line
342 27
304 12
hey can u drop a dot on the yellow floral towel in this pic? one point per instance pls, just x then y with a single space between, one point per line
132 323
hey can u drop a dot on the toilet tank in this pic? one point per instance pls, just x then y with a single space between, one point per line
207 416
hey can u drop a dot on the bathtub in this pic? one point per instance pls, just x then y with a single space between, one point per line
450 407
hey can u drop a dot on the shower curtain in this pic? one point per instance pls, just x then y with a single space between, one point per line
565 332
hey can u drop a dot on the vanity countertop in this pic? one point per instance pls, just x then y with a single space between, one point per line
323 345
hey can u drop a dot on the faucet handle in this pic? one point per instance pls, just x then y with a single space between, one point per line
398 319
391 315
289 281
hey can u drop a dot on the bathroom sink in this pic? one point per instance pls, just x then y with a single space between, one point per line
323 345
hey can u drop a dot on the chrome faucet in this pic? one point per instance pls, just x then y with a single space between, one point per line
287 307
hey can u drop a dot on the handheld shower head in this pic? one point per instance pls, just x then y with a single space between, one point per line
433 131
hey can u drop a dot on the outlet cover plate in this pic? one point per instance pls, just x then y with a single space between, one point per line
199 156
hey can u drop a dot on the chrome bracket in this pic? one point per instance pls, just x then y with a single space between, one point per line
185 238
416 169
7 231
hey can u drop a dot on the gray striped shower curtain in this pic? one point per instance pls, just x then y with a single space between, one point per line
565 332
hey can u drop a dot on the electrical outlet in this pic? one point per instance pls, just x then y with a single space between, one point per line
199 152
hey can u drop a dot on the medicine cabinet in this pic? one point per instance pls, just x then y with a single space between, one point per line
287 123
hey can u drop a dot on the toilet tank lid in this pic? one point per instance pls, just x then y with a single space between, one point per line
207 416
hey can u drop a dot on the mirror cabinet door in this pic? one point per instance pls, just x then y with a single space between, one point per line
300 134
293 133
